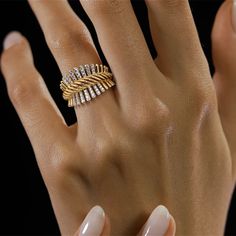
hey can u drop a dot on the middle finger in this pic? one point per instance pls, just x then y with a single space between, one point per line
123 44
71 45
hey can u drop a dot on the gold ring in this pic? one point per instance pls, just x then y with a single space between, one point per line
85 83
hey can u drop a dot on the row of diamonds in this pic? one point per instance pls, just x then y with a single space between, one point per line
83 71
85 96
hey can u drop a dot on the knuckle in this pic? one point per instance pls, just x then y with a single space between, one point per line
116 154
68 39
108 149
152 120
105 7
9 54
63 159
202 98
20 92
63 164
173 3
107 153
205 95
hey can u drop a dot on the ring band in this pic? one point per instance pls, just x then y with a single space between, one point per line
85 83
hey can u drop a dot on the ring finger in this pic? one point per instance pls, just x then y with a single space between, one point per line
71 45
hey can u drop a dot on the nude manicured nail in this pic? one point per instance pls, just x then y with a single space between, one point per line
93 223
11 39
158 222
234 15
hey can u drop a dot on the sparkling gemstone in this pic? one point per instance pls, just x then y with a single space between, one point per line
102 89
82 98
77 99
97 68
77 73
64 79
106 69
93 69
87 69
97 91
92 93
72 75
87 95
112 83
82 71
68 79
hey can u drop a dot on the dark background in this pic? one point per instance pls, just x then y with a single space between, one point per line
24 204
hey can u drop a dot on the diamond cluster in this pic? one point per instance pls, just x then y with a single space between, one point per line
90 92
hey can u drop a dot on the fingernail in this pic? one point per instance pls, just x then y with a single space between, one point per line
11 39
234 15
93 223
158 222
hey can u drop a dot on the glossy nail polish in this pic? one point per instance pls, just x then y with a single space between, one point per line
11 39
158 222
93 223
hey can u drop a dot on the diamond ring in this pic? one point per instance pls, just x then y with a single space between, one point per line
85 83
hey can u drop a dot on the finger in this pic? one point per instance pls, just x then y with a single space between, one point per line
122 42
224 56
93 223
107 227
175 36
71 45
172 227
67 37
39 115
158 223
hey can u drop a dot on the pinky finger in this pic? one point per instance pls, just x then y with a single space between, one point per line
39 114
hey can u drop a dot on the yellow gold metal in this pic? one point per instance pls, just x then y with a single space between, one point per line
99 79
83 83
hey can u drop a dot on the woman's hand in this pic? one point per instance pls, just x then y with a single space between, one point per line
156 139
96 223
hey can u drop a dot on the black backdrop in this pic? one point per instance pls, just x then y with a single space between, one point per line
24 204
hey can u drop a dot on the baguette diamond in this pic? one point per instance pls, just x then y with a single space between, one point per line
82 98
92 93
77 99
87 69
72 76
92 66
82 71
77 73
87 95
84 83
97 91
102 89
